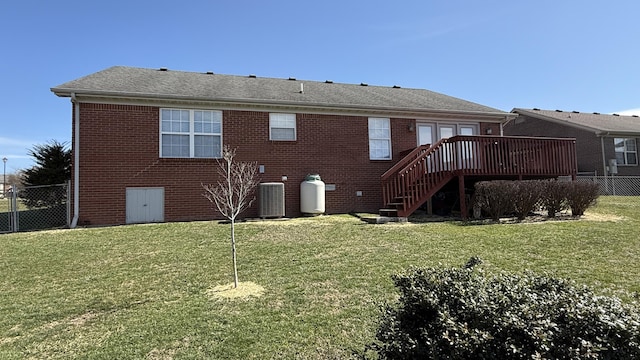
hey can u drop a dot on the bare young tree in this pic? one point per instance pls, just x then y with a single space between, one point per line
233 194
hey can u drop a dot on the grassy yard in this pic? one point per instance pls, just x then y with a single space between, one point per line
5 206
144 291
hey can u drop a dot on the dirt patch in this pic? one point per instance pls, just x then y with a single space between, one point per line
602 217
244 290
539 218
535 218
318 220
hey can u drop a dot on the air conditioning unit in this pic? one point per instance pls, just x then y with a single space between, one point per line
271 200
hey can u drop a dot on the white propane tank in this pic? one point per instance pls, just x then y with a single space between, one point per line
312 195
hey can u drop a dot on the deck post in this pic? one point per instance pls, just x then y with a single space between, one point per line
463 200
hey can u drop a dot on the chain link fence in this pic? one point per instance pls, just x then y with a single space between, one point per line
615 185
34 208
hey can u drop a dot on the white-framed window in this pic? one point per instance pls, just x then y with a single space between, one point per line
379 139
282 127
626 151
190 133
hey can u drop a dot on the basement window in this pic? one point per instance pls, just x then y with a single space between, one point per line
626 151
282 127
190 133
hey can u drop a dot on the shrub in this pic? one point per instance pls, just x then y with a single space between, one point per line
526 196
495 197
35 197
581 195
462 313
554 196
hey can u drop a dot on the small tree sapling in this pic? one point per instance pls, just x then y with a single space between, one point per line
233 194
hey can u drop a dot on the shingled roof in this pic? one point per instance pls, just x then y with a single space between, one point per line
130 82
596 122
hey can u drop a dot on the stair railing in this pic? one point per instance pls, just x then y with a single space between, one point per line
418 173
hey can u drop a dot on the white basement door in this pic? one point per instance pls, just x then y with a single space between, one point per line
145 205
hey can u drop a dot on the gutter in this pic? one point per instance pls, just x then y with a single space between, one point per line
76 161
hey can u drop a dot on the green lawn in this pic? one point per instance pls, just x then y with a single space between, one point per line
142 291
5 206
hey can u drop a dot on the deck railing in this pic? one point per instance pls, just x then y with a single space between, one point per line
426 169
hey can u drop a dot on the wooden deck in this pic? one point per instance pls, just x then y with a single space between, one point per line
426 169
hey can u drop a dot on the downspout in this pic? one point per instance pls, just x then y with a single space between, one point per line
507 120
76 161
604 157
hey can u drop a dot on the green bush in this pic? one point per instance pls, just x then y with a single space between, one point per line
581 195
462 313
554 197
494 197
526 196
499 197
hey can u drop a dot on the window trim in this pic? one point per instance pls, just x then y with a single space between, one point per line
287 116
387 139
625 151
192 134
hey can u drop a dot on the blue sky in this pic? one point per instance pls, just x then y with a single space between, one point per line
579 55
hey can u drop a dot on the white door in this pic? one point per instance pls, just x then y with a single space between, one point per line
445 132
425 134
429 133
145 205
466 149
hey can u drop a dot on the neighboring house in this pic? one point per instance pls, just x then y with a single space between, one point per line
600 138
145 140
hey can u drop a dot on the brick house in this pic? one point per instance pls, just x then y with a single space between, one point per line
144 141
600 138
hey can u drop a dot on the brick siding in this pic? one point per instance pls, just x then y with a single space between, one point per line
119 148
588 146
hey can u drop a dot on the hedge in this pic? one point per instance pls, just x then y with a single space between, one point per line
464 313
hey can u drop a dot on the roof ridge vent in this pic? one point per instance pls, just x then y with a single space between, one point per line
576 112
536 109
364 84
616 114
209 72
329 81
396 86
291 78
558 110
596 113
253 76
634 115
163 69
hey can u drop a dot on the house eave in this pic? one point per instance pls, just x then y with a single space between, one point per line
597 131
554 120
278 105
